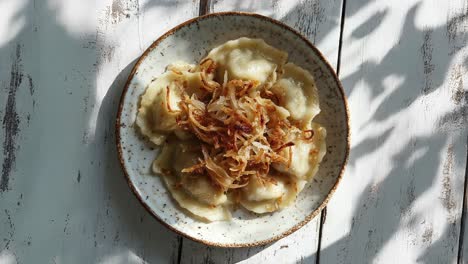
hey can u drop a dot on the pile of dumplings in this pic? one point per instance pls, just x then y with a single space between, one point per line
270 82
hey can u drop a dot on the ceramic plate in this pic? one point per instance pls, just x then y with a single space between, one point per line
190 42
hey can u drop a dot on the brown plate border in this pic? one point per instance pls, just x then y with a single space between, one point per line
317 52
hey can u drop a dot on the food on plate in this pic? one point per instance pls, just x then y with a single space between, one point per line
235 130
248 59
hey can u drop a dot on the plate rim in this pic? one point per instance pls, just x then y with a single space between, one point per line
297 226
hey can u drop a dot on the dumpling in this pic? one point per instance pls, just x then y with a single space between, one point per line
156 116
264 197
192 192
259 191
281 112
307 154
201 188
248 59
197 208
286 97
190 75
319 150
297 92
198 186
300 164
180 66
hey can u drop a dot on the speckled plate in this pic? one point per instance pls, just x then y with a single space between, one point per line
190 42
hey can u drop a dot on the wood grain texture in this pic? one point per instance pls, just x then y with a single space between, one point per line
403 66
320 22
63 197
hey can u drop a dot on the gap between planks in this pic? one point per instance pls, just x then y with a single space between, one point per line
460 255
203 9
323 215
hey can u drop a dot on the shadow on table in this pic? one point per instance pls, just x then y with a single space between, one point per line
136 235
387 207
145 233
53 184
63 197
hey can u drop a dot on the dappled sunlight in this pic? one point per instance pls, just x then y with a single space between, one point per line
66 101
122 257
7 257
261 7
12 22
401 164
126 18
371 24
318 21
174 13
403 67
428 14
295 248
74 16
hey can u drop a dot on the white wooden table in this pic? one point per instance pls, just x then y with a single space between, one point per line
63 198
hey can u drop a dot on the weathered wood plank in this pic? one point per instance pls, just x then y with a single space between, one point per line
63 197
320 22
404 68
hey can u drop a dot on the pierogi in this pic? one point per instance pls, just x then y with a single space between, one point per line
236 130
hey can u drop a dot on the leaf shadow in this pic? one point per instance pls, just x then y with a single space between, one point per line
390 198
370 25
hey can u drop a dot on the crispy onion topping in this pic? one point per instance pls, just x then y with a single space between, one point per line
242 129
